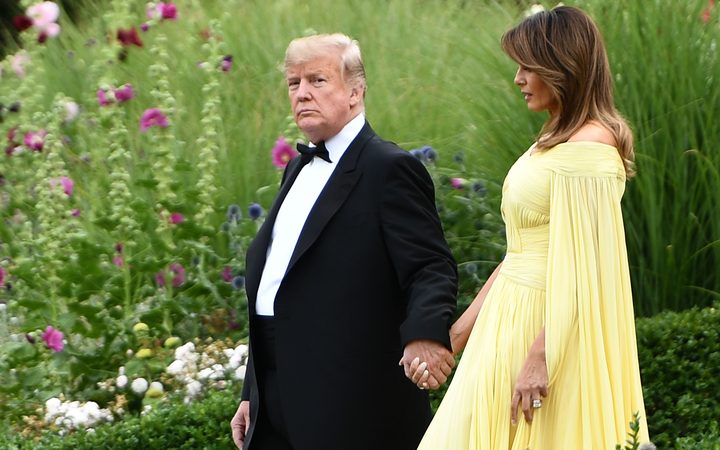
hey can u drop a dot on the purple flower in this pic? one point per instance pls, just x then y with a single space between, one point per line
153 117
35 140
103 98
119 261
53 339
226 63
179 274
282 153
176 218
227 275
255 211
119 247
67 183
238 282
144 27
458 183
124 93
75 212
160 279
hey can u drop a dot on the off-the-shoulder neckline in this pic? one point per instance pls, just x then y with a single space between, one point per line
532 151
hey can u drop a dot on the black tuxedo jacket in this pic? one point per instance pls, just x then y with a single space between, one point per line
371 272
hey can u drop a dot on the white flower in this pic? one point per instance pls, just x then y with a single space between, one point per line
176 367
139 385
121 381
205 373
3 307
239 373
52 406
71 111
194 388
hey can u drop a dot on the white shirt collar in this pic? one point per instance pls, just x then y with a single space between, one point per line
337 144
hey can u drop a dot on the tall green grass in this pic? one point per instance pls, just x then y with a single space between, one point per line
437 76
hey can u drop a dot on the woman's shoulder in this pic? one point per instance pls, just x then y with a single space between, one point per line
594 131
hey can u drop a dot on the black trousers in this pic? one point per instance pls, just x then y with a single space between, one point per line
270 429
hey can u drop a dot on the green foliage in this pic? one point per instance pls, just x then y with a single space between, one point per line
679 362
201 425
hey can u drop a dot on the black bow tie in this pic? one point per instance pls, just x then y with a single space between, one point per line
308 153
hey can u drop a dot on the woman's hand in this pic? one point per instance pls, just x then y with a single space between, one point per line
532 383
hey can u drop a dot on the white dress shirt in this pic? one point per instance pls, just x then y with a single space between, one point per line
295 210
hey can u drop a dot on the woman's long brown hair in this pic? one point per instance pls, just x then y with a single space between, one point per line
565 49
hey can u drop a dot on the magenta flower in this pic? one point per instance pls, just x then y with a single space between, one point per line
119 261
458 183
3 274
129 37
103 98
67 183
22 23
124 93
144 27
168 11
153 117
227 275
176 218
53 339
75 212
282 153
179 274
35 140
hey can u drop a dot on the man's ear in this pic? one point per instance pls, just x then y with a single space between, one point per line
357 94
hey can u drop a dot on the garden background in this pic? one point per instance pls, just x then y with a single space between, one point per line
143 143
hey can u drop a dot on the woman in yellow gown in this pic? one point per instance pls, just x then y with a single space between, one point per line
550 356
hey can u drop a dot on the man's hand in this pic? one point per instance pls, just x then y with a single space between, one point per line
427 363
240 423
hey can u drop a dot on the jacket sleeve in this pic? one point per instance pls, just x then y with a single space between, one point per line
589 307
422 260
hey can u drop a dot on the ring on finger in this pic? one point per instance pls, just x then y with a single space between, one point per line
536 403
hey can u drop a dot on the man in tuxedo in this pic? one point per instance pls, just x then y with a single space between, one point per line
349 274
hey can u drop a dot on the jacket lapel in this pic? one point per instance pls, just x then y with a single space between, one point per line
257 252
333 194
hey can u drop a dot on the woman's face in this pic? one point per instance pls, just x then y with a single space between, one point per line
537 94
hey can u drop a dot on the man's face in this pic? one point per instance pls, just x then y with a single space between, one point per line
322 103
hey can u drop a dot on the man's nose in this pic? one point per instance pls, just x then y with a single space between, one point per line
303 90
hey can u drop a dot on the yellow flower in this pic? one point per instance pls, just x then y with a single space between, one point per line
144 353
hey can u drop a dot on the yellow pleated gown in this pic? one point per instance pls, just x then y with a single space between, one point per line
566 269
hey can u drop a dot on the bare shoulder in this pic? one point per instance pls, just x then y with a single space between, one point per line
594 132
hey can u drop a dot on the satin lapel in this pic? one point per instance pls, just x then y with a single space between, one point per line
257 253
333 194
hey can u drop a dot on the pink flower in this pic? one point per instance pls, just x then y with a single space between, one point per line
124 93
707 12
176 218
3 274
53 339
71 111
226 63
35 140
282 153
43 14
153 117
67 183
227 275
179 274
458 183
75 212
18 63
119 261
103 98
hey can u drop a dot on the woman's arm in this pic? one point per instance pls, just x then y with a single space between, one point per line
460 330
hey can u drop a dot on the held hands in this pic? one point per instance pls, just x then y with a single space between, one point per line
427 363
531 385
240 423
